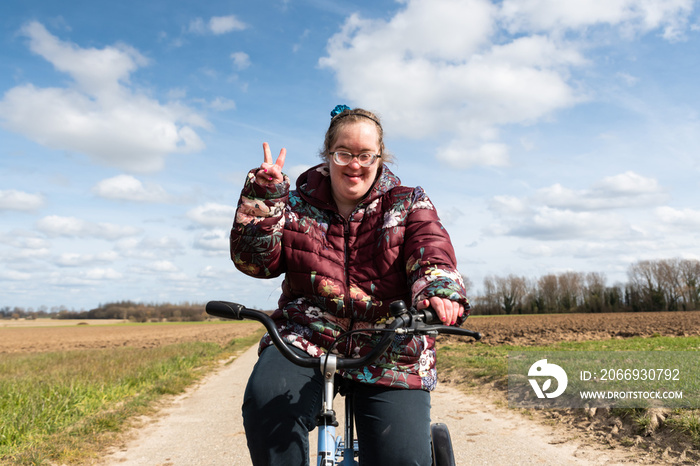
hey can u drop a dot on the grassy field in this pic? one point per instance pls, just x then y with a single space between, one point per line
64 406
475 366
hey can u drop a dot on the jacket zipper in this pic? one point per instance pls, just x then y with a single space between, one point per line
346 234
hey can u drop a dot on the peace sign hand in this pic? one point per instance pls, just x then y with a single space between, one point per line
271 173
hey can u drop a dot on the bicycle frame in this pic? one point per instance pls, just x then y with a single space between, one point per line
328 443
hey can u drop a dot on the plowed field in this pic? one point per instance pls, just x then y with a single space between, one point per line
41 339
531 330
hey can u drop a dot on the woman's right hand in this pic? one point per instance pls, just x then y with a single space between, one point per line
447 310
271 173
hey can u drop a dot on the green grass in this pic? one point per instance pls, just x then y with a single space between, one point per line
688 423
483 363
476 365
61 407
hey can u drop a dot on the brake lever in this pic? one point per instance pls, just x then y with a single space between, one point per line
420 322
434 330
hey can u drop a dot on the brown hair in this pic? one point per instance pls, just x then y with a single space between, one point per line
348 117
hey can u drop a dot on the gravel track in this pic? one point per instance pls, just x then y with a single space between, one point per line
204 427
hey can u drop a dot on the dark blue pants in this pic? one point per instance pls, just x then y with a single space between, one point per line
282 400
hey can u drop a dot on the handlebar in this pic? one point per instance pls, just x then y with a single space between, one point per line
405 322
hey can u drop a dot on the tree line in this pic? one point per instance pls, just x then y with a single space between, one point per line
653 285
126 310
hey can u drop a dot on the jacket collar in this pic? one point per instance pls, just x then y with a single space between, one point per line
314 185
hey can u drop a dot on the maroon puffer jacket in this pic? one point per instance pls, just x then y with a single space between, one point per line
343 274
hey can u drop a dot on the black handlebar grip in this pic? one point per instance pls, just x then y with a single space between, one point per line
225 310
431 317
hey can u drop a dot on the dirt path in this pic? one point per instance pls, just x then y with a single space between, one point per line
204 427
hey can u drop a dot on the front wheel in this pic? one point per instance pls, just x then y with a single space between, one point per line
442 445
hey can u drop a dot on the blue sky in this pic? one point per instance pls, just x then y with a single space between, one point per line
552 136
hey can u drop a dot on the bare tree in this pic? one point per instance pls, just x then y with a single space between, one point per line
594 295
615 297
511 291
487 303
468 284
668 275
665 284
646 291
548 293
689 270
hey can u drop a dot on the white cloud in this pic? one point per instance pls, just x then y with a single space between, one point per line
128 188
198 26
241 60
213 215
221 104
625 190
509 205
23 247
87 277
149 248
537 250
214 241
557 224
101 274
685 218
163 243
162 266
628 183
20 256
627 78
209 272
12 199
440 69
54 225
559 213
440 54
23 240
217 25
100 115
71 259
14 275
164 270
224 24
470 152
633 16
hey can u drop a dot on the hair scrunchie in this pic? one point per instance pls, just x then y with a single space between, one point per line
338 110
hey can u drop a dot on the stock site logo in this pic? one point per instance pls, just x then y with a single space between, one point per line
544 369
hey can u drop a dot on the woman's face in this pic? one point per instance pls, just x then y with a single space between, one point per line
351 182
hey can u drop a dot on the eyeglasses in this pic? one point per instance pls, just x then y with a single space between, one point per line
365 159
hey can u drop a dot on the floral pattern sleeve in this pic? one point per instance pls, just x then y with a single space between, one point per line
256 236
430 264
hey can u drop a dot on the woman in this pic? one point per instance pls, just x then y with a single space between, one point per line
350 240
